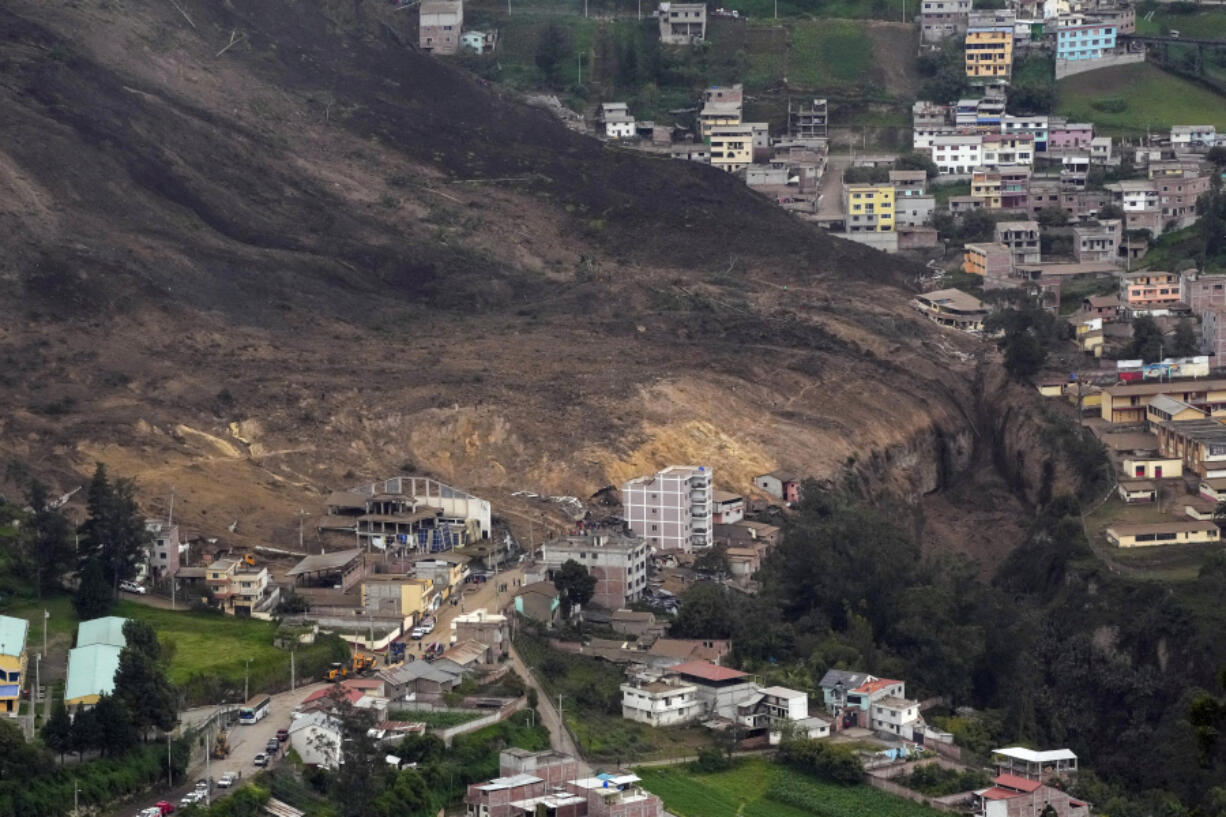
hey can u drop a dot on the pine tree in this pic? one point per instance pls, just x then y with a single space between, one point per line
57 731
94 596
115 530
45 540
116 731
85 731
140 682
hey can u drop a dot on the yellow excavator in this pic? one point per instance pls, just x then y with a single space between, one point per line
363 663
249 558
337 672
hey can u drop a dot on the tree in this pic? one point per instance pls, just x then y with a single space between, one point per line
140 681
114 531
116 731
86 732
94 597
714 560
977 225
575 585
57 731
1024 355
1184 343
707 611
1146 339
550 51
353 786
917 161
1110 211
1053 217
46 545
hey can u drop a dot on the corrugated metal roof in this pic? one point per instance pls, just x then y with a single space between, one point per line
13 635
105 630
324 561
91 671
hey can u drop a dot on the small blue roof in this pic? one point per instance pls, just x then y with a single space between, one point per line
105 630
91 671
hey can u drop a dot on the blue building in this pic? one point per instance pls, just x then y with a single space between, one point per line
1085 42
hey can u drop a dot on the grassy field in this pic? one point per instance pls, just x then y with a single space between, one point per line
756 788
1073 292
829 53
207 650
1155 100
440 719
1206 22
1167 563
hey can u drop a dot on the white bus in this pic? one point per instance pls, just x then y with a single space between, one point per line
255 709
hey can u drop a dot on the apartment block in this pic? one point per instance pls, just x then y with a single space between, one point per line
958 154
682 23
1193 137
943 19
989 46
913 211
1008 149
1036 126
1099 241
869 207
618 563
439 24
1090 41
672 510
1022 239
808 120
731 146
992 261
908 182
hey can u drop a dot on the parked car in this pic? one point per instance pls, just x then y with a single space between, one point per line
202 784
428 625
165 807
417 634
132 587
190 798
226 780
261 759
273 746
152 811
283 735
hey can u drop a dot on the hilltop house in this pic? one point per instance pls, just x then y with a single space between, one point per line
682 23
780 485
616 121
440 23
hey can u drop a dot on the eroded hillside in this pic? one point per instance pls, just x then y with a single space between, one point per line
321 257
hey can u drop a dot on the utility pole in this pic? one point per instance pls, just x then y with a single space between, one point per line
302 515
76 797
170 517
173 584
38 678
579 60
169 780
208 775
292 684
46 615
246 680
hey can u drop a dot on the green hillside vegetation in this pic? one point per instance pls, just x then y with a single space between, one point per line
755 788
1128 100
1186 18
208 650
826 54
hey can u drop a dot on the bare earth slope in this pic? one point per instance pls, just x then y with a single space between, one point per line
321 257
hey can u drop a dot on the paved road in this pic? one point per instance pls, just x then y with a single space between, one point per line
488 595
831 190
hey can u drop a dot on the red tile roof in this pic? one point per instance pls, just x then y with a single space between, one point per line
353 695
1012 781
870 687
362 683
708 671
996 793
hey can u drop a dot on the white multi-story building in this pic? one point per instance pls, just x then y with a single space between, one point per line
958 154
673 509
617 121
1193 136
1035 125
682 23
663 701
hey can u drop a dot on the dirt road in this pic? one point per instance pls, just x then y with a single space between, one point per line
559 737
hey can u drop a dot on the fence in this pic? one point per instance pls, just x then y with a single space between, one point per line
472 726
914 796
1067 68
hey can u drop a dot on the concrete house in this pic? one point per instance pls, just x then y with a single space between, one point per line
1013 796
780 485
952 308
1189 532
13 661
1127 403
1022 239
316 737
1035 765
682 23
807 120
957 154
616 121
618 563
992 261
440 23
479 42
989 46
1099 241
1200 444
1087 41
1193 137
943 19
1137 490
869 207
728 508
165 550
672 509
538 601
660 701
732 146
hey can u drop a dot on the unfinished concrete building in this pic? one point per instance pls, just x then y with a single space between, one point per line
808 120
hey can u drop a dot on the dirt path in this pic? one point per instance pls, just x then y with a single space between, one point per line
559 737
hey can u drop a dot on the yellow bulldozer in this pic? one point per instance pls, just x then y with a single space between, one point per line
363 663
337 672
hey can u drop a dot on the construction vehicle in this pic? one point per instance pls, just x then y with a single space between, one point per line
249 558
337 672
221 746
364 663
395 652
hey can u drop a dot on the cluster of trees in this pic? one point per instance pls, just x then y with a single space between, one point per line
365 786
1060 651
1029 333
37 541
944 73
970 226
112 542
838 764
1150 344
143 700
575 585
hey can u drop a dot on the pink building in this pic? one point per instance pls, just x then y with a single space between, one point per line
1070 136
1014 796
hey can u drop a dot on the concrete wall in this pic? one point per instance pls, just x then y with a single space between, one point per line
886 242
1067 68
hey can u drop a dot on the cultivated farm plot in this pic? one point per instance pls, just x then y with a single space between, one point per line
749 789
1153 100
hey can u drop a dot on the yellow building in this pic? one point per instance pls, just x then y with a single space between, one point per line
731 147
398 595
989 53
986 186
1152 467
869 208
12 660
1190 532
987 260
1127 404
717 115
